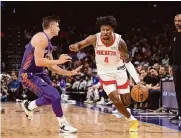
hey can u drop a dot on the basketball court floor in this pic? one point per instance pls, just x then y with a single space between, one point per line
92 121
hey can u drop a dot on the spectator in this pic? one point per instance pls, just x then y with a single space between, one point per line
153 79
4 91
14 87
54 84
63 84
153 84
165 61
87 70
162 72
143 76
46 71
81 55
53 76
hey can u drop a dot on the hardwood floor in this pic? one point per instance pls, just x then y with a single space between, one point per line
90 124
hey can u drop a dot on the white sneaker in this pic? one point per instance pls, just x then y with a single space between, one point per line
67 128
88 101
101 101
109 103
64 97
115 111
118 115
29 113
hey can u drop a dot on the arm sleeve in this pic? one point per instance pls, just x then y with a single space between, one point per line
132 71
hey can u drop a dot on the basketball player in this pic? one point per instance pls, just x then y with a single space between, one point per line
112 60
38 54
175 62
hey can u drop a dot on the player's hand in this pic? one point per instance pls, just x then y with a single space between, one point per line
64 58
74 47
76 71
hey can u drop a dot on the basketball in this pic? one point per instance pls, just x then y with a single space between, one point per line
139 93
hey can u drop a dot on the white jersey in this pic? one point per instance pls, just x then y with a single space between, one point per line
108 58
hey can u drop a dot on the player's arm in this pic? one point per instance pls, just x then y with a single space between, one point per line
125 56
90 40
40 42
61 71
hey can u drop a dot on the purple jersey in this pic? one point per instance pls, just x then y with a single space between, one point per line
28 63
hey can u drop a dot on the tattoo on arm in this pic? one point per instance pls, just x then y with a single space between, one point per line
124 51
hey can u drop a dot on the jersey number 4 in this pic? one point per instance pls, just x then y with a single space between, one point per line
106 59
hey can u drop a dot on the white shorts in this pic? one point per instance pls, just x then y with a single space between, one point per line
115 81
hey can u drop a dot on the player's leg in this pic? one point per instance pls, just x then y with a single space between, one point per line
124 90
42 80
126 99
36 84
31 82
114 97
51 93
48 95
109 85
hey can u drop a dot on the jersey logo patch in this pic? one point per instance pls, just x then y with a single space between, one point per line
113 48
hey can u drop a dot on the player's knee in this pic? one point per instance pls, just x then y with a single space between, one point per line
114 97
126 99
126 103
55 94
